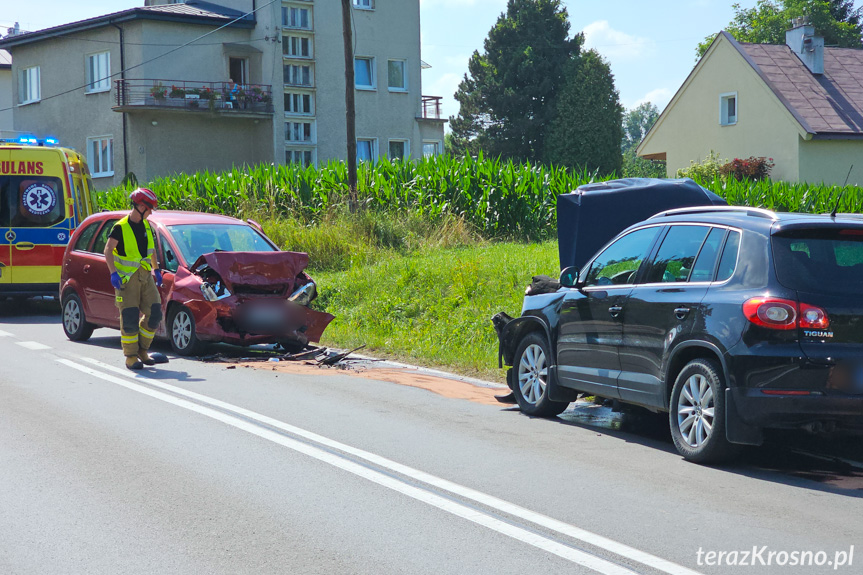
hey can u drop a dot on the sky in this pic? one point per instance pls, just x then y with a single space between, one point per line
649 44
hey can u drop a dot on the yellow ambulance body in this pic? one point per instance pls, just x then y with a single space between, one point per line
45 192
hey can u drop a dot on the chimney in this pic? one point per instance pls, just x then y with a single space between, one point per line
808 47
13 31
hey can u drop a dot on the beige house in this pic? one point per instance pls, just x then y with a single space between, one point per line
145 91
800 103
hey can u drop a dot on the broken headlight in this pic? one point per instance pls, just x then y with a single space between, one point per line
304 294
214 291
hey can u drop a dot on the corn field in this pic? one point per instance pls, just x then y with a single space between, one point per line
501 200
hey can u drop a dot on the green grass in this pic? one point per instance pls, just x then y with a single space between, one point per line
433 307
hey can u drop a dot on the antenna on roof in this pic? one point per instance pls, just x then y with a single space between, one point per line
836 207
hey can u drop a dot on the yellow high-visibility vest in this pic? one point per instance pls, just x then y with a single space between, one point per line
127 265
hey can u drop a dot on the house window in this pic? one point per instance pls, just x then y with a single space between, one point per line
98 72
100 156
364 73
728 109
297 46
366 4
296 103
29 89
367 149
298 131
303 156
397 77
295 17
431 148
296 75
399 149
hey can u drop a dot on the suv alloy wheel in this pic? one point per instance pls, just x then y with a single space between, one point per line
531 378
697 413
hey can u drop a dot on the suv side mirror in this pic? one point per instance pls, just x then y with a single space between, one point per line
569 277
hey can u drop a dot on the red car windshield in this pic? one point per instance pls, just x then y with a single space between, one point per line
194 240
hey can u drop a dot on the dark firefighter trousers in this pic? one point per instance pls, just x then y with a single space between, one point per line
140 312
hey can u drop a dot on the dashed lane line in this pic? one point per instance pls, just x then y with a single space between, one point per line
6 334
501 505
34 345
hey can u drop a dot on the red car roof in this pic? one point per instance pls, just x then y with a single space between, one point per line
173 217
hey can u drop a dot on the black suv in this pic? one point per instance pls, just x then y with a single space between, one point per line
731 319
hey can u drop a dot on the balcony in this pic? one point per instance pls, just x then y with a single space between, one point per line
249 100
431 108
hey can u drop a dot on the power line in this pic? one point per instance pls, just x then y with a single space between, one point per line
202 36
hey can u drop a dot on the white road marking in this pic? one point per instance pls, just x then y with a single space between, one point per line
34 345
466 492
576 556
6 334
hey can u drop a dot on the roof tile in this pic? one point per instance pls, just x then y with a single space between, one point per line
830 103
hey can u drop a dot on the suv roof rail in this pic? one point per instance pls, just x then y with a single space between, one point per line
749 211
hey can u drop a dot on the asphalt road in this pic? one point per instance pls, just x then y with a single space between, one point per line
197 468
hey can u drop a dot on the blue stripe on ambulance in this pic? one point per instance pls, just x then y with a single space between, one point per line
41 236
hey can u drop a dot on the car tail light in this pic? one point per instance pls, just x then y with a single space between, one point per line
778 313
813 317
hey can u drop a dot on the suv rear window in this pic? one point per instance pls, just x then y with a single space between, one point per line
822 260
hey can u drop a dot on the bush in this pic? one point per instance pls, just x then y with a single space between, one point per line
635 167
707 170
751 168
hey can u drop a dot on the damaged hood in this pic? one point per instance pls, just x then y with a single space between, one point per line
258 269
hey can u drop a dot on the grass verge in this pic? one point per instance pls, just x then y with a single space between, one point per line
432 306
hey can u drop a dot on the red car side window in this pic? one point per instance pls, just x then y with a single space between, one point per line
83 241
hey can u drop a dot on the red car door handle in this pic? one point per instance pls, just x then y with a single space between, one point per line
87 268
615 310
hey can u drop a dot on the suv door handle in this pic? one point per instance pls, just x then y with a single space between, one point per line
681 313
615 310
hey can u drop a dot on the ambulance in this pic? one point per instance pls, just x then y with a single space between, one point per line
45 192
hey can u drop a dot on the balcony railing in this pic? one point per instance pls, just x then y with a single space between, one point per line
432 107
202 96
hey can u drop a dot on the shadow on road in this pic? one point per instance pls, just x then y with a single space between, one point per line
34 311
832 464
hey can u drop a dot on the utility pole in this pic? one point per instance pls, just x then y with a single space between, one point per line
350 106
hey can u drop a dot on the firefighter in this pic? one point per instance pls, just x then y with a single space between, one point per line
131 257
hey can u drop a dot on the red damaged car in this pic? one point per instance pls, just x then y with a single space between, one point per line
223 281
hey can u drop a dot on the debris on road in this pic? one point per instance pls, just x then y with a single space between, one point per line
314 356
310 353
334 359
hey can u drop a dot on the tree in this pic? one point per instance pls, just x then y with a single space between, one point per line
588 127
844 11
636 123
837 20
506 101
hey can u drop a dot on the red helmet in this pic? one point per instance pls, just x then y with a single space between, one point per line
144 196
